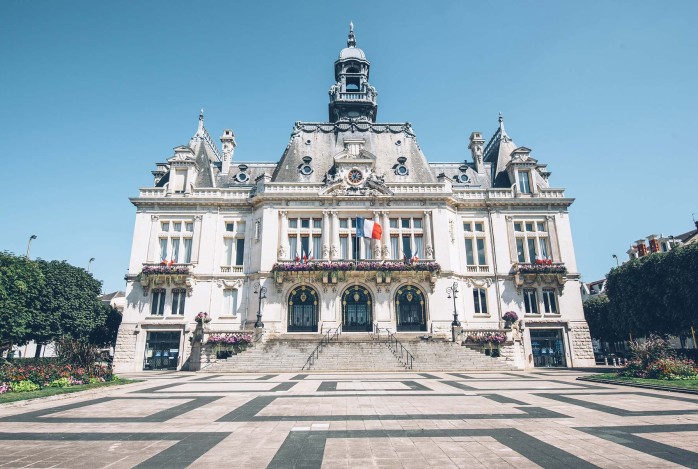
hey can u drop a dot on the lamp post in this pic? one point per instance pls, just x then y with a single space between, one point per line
452 291
616 258
29 244
89 262
262 292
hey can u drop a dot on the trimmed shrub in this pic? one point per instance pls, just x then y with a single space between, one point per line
23 386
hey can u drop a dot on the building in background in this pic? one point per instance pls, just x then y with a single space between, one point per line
276 243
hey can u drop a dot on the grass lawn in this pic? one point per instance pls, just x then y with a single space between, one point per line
674 383
22 396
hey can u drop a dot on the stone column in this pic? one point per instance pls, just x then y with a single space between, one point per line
428 247
326 233
386 235
512 239
552 236
334 247
196 239
284 247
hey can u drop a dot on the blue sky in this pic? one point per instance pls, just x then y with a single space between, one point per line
93 94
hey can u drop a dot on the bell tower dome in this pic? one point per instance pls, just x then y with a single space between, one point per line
352 96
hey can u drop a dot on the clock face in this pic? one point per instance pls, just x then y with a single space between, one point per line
353 114
355 176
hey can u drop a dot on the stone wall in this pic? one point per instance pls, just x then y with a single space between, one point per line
580 342
125 349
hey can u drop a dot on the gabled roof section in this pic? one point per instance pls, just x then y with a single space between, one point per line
202 139
498 152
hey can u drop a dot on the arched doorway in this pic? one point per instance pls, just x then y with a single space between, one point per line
411 313
302 309
357 310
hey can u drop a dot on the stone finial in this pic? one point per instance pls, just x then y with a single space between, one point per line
351 40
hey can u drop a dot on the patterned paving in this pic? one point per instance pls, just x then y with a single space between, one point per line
326 420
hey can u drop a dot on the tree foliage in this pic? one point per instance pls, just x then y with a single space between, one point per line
656 294
21 281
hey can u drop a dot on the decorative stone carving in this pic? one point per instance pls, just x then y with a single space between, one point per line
223 283
475 282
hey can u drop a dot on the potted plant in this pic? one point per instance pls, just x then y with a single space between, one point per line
202 318
510 317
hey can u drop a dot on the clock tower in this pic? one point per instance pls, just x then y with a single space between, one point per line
352 96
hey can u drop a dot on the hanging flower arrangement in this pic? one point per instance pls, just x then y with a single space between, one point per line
202 318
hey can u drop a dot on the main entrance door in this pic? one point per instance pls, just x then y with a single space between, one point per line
548 348
357 310
302 309
409 303
161 351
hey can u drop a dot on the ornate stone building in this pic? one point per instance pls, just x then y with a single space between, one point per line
212 230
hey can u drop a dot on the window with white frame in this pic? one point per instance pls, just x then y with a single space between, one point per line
524 181
351 247
531 240
550 301
480 300
530 301
157 302
305 237
230 301
406 238
234 242
175 241
475 252
178 298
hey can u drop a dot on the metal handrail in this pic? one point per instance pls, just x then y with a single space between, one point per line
327 337
401 353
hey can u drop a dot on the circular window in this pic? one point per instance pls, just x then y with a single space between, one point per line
306 170
355 176
242 177
398 143
463 178
308 142
401 170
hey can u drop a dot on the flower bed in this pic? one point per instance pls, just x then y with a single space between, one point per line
225 345
541 268
486 338
391 266
164 269
17 376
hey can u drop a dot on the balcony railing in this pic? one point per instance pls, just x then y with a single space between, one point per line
361 265
234 269
540 267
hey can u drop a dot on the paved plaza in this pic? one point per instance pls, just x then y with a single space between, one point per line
392 420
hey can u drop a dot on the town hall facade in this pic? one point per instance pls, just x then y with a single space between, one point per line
274 244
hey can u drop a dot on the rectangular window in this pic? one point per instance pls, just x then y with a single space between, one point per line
405 222
189 226
230 226
293 246
481 251
395 247
317 246
177 226
550 301
230 302
163 249
521 254
530 301
240 228
293 223
469 256
157 306
228 251
175 250
543 243
187 250
532 254
239 251
480 300
467 227
368 252
417 222
406 247
524 182
344 247
531 241
305 246
305 223
418 244
343 223
354 248
165 226
393 222
178 297
317 223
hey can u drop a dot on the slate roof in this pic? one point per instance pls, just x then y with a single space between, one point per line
498 152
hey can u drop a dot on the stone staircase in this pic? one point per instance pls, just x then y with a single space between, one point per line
355 352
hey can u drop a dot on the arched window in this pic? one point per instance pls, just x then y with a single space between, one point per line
411 311
302 309
357 310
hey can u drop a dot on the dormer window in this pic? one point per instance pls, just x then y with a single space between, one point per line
524 182
242 176
180 181
304 168
400 168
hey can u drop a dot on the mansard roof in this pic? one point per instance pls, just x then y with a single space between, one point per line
322 142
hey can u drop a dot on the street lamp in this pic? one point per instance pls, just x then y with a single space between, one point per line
452 291
262 292
616 258
29 244
89 262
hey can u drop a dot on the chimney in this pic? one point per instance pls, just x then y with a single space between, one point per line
641 248
654 243
476 142
228 144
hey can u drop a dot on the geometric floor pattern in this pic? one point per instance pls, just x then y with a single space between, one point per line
355 420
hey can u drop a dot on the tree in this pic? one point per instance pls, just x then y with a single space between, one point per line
69 303
21 281
598 317
105 334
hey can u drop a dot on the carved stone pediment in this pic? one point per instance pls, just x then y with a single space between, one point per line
182 154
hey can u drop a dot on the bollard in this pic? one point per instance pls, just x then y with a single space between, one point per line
605 361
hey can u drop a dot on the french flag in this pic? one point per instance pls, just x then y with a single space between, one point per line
368 229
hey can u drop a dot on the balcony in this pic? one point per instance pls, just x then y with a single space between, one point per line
155 275
539 273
